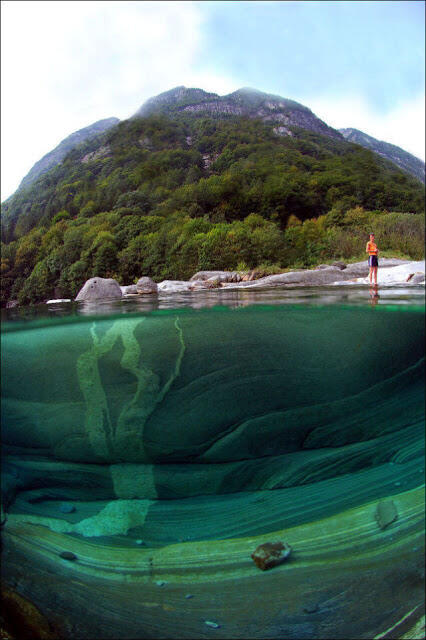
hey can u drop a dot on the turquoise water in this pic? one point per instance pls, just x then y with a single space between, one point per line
212 423
248 389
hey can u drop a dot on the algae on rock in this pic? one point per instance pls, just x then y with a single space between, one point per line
113 440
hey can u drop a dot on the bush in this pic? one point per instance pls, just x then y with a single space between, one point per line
62 215
38 286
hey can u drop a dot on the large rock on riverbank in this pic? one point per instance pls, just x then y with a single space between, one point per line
146 286
323 275
99 289
404 272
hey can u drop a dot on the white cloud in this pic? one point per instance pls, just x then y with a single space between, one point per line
403 126
66 64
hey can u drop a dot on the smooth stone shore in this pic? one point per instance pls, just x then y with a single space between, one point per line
392 270
330 275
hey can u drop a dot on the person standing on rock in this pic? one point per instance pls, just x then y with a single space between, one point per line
373 262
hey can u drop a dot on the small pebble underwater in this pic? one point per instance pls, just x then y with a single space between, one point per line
251 468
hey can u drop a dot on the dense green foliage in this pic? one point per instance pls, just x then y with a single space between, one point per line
166 198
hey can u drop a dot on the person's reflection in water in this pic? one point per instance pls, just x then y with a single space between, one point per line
374 295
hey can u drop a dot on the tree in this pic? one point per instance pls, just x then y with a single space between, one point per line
135 200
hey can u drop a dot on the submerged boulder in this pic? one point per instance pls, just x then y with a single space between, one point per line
270 554
66 507
386 513
99 289
68 555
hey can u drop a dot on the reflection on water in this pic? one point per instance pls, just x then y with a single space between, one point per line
374 295
349 294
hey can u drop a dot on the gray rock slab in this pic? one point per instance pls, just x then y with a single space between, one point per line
146 285
418 278
174 286
99 289
361 269
129 289
307 278
223 276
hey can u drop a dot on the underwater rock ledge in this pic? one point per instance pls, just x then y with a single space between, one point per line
345 574
144 466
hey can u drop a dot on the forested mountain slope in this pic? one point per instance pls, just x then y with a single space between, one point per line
403 159
57 154
167 194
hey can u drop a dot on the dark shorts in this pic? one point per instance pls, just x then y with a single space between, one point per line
372 261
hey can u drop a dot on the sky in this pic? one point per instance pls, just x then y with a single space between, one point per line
66 64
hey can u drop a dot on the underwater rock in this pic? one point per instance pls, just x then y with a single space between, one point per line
22 619
311 608
205 434
146 285
99 289
270 554
386 513
66 507
68 555
213 625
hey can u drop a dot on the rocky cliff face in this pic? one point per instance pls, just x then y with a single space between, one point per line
169 99
398 156
244 102
56 156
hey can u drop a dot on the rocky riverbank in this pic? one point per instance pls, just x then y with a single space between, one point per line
391 271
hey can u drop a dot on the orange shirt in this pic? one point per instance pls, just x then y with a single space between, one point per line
372 248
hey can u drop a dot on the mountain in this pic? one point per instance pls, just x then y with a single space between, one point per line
56 156
403 159
196 182
243 102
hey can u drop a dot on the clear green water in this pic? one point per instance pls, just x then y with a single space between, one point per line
161 422
215 385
